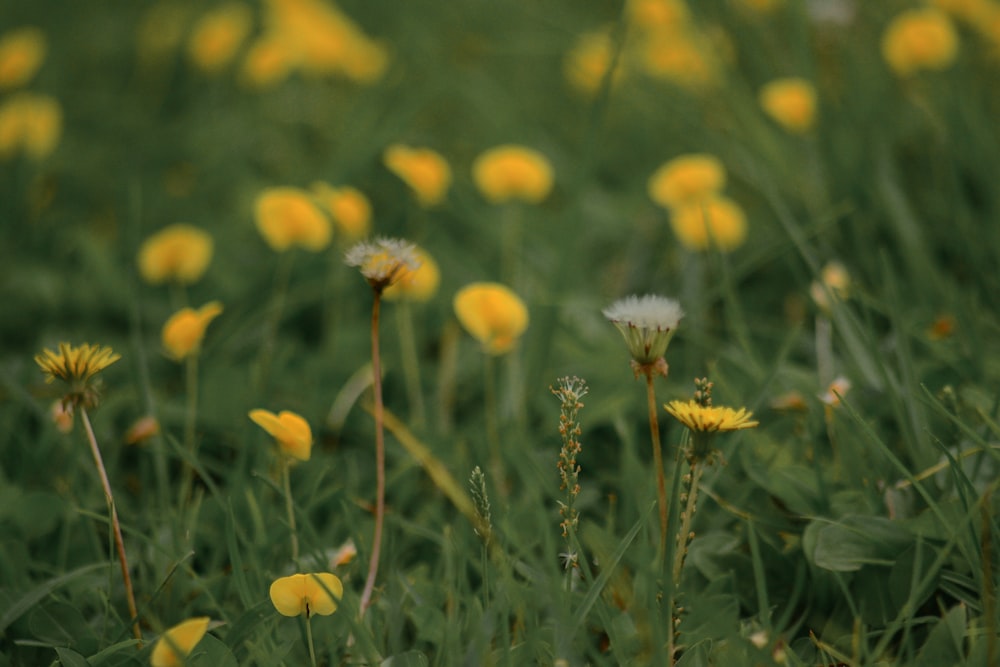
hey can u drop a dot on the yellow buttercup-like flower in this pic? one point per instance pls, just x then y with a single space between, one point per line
177 253
418 284
791 102
686 179
718 222
22 52
658 14
289 430
492 314
218 35
307 594
287 217
176 644
919 39
76 367
587 63
834 280
426 172
30 123
350 209
268 61
184 331
710 418
512 172
680 57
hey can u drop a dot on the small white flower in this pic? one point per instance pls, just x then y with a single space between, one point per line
383 261
647 323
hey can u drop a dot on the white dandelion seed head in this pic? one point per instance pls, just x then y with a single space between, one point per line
383 260
647 324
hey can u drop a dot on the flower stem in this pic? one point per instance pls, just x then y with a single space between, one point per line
493 423
309 640
190 421
661 482
366 594
116 526
411 364
286 480
687 516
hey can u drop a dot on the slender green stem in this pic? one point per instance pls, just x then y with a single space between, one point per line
115 524
190 422
309 640
661 481
379 461
492 422
411 363
289 507
687 516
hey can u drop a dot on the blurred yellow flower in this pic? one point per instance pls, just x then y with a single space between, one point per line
508 172
791 102
716 222
344 554
349 208
267 62
426 172
22 52
177 253
62 416
287 217
680 57
686 179
418 284
492 314
307 594
174 645
658 14
184 331
833 280
919 39
76 367
142 429
837 390
218 35
975 12
710 418
30 123
587 62
290 431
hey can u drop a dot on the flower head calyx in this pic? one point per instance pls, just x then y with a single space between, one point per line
383 261
77 366
648 324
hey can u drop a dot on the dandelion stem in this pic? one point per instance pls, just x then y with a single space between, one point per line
687 516
289 506
309 640
115 524
492 422
661 482
379 460
190 421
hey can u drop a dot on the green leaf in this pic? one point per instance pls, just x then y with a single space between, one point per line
408 659
70 658
855 541
37 594
62 624
941 647
211 652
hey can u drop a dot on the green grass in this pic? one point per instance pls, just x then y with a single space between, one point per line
862 534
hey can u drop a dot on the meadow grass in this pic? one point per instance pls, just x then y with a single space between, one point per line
849 302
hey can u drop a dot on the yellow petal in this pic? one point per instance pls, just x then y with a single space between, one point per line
306 594
177 643
492 314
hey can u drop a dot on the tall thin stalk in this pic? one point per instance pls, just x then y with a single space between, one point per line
286 465
379 460
661 481
190 422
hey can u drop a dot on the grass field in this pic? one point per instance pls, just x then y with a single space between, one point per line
409 234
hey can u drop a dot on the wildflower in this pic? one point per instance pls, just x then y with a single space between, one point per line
177 253
307 594
942 327
29 123
509 172
716 222
791 102
424 171
344 554
704 421
791 400
680 57
919 39
587 62
834 281
647 323
349 208
383 261
183 332
143 429
287 217
973 11
62 416
493 314
686 179
174 645
77 366
658 14
268 61
218 35
22 52
290 431
838 388
418 284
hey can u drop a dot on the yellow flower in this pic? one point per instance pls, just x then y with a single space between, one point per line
77 366
287 217
680 57
142 429
686 179
30 123
837 389
22 52
834 280
383 261
62 416
919 39
176 644
972 11
344 554
511 172
423 170
791 102
184 331
307 594
716 222
587 62
268 61
658 14
492 314
710 418
350 209
218 35
417 284
177 253
289 430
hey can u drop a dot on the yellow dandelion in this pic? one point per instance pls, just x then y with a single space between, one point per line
22 52
176 644
710 418
290 431
218 35
183 332
686 179
717 222
30 123
307 594
512 172
587 62
349 208
425 172
658 14
919 39
287 216
679 57
418 284
268 61
177 253
76 367
383 261
492 314
791 102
